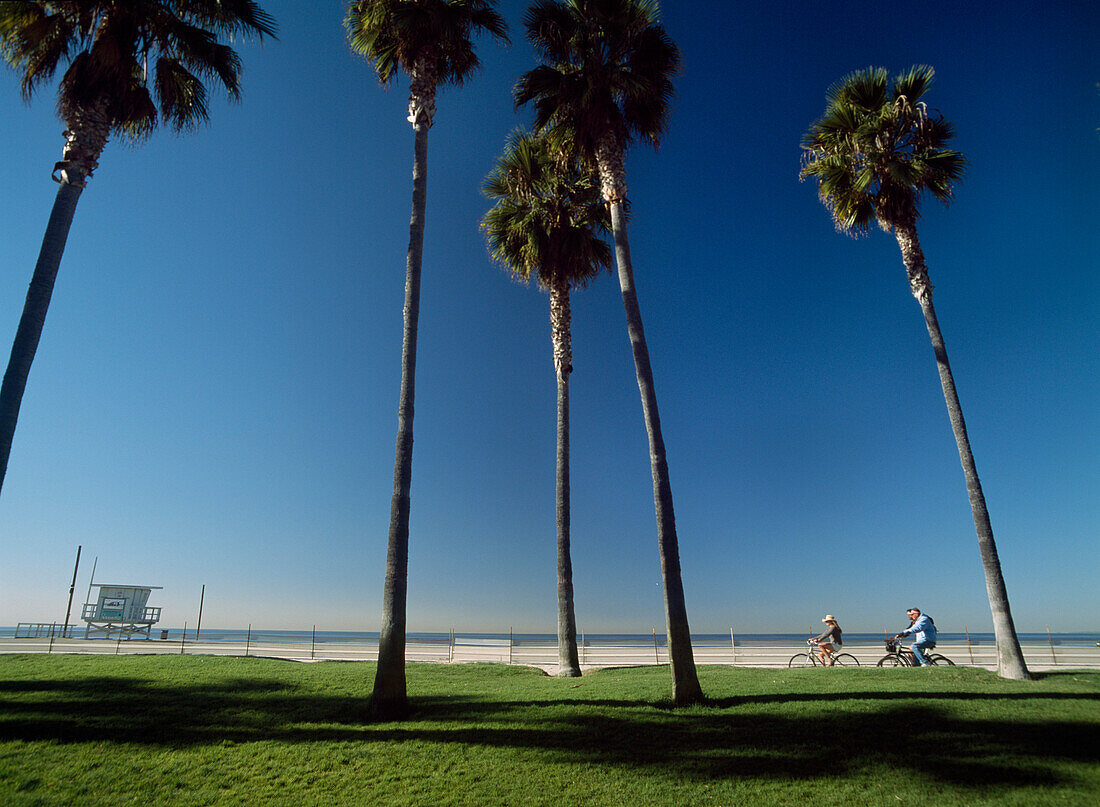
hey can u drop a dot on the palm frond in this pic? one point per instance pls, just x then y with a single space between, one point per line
864 89
182 95
243 17
913 83
551 27
34 42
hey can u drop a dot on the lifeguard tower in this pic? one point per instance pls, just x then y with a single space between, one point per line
120 611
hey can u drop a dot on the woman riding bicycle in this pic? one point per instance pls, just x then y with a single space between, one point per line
830 639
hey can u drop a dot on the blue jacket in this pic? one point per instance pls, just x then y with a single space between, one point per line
923 630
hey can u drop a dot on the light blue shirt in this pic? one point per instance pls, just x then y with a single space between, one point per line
923 630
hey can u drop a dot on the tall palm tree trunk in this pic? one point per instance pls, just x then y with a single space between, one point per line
85 138
389 698
33 319
568 661
685 680
1010 659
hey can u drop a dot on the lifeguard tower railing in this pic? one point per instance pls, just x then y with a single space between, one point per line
134 614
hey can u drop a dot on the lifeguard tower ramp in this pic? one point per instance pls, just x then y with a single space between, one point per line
120 611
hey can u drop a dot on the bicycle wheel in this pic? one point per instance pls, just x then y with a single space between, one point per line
942 660
891 660
845 660
801 660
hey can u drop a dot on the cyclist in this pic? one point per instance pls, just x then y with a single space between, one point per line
923 630
830 639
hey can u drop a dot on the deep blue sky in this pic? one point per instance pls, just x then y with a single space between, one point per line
214 399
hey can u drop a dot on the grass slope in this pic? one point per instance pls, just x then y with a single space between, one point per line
185 730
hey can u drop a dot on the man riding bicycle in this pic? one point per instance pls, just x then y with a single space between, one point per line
923 630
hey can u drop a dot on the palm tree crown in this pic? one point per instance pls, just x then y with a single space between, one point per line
397 34
607 76
429 40
877 149
111 47
548 220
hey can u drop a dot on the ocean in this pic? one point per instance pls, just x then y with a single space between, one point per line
589 639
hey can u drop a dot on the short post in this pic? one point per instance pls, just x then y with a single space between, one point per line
968 647
247 640
1053 657
733 647
183 637
313 643
509 644
118 644
584 655
656 654
451 646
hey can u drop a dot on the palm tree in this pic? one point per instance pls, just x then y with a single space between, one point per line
429 40
874 153
607 78
547 223
109 46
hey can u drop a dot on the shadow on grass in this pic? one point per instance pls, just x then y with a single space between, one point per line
752 736
912 694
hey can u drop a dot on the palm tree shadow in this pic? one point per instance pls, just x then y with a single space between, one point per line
719 743
929 696
703 744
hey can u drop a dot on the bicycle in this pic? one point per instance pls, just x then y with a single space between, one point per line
811 660
897 656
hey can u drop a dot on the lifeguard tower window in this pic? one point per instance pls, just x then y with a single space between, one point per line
120 611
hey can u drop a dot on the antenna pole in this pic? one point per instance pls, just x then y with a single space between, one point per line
202 597
72 587
90 579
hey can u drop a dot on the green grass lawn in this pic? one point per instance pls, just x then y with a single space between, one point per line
116 730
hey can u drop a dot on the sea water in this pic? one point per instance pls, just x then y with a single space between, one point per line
590 639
